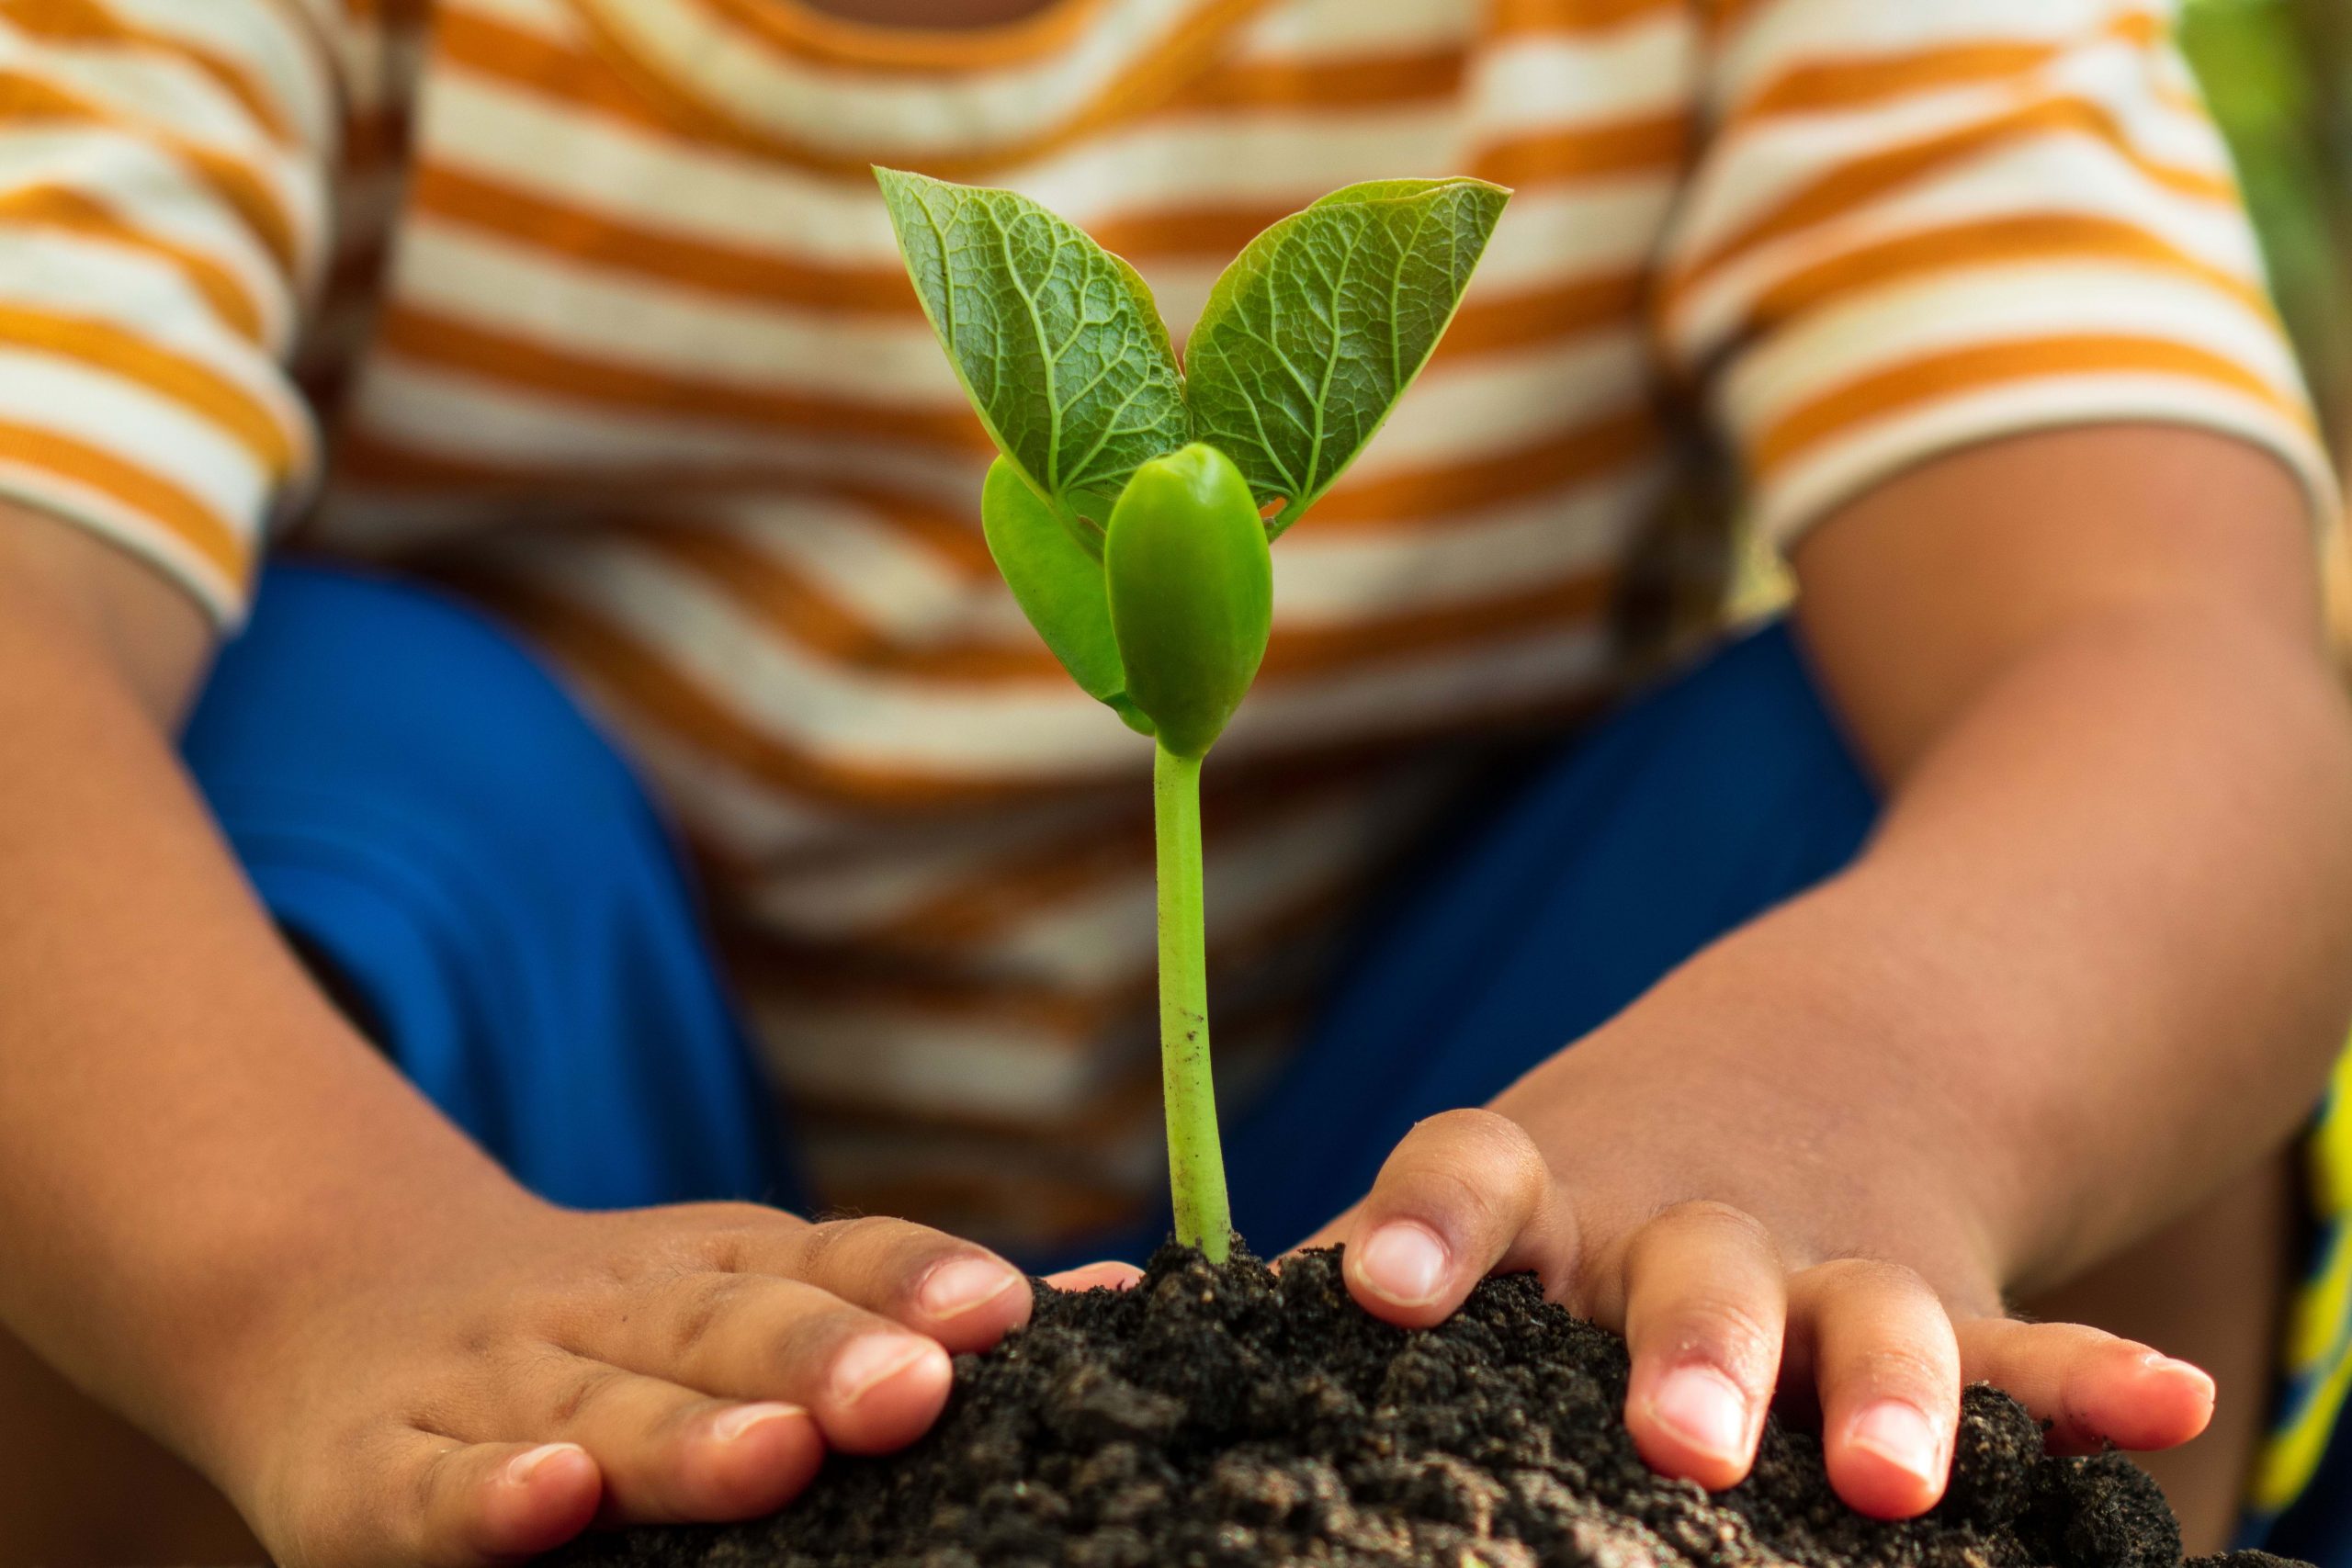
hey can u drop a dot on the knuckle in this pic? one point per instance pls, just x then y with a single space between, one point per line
613 1271
797 1353
430 1481
581 1392
1845 1278
1907 1370
1496 1132
571 1308
824 1244
1438 1191
419 1513
1498 1149
729 1237
1720 1222
1735 1242
1465 1118
1723 1329
706 1302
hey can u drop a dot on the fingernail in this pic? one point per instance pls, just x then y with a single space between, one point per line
523 1466
953 1289
1097 1277
733 1423
1706 1409
2158 1361
1404 1263
1902 1436
874 1359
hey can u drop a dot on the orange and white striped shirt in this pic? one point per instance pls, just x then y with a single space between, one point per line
591 308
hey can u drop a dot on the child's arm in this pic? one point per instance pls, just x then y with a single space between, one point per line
230 1219
2097 960
223 1211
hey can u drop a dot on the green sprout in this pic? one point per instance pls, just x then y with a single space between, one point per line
1133 499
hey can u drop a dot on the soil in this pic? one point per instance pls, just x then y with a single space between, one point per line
1230 1417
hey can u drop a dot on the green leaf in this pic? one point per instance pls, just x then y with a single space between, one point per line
1319 325
1382 190
1057 341
1057 585
1191 591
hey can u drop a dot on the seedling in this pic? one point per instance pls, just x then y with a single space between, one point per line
1133 499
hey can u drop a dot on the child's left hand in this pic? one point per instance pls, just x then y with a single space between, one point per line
1875 1300
2094 960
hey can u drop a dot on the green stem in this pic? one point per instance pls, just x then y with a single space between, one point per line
1195 1161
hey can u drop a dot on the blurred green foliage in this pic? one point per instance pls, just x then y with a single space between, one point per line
2278 76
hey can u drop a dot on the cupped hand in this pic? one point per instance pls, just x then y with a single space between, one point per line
1720 1310
554 1370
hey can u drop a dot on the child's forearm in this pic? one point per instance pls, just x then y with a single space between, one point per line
186 1128
2106 928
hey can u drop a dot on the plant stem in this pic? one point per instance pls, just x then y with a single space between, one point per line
1196 1160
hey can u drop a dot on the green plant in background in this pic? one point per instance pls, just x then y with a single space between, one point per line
1133 499
2278 74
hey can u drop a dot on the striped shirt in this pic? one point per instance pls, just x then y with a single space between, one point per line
591 308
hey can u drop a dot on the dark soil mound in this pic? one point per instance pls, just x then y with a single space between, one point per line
1229 1418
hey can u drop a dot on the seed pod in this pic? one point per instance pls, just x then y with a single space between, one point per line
1191 591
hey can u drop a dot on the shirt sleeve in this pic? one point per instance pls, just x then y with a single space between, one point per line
164 213
1916 227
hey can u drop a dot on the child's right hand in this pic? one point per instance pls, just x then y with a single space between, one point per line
228 1218
554 1368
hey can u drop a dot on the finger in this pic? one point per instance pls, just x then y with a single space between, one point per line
1463 1193
961 1294
1705 1301
1335 1232
2092 1387
671 1453
438 1502
872 1384
1097 1277
1887 1369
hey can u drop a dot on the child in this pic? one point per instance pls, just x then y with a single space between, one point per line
596 306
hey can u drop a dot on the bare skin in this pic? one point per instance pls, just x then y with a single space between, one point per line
2212 1288
227 1215
67 1463
2092 969
2094 966
2207 1286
